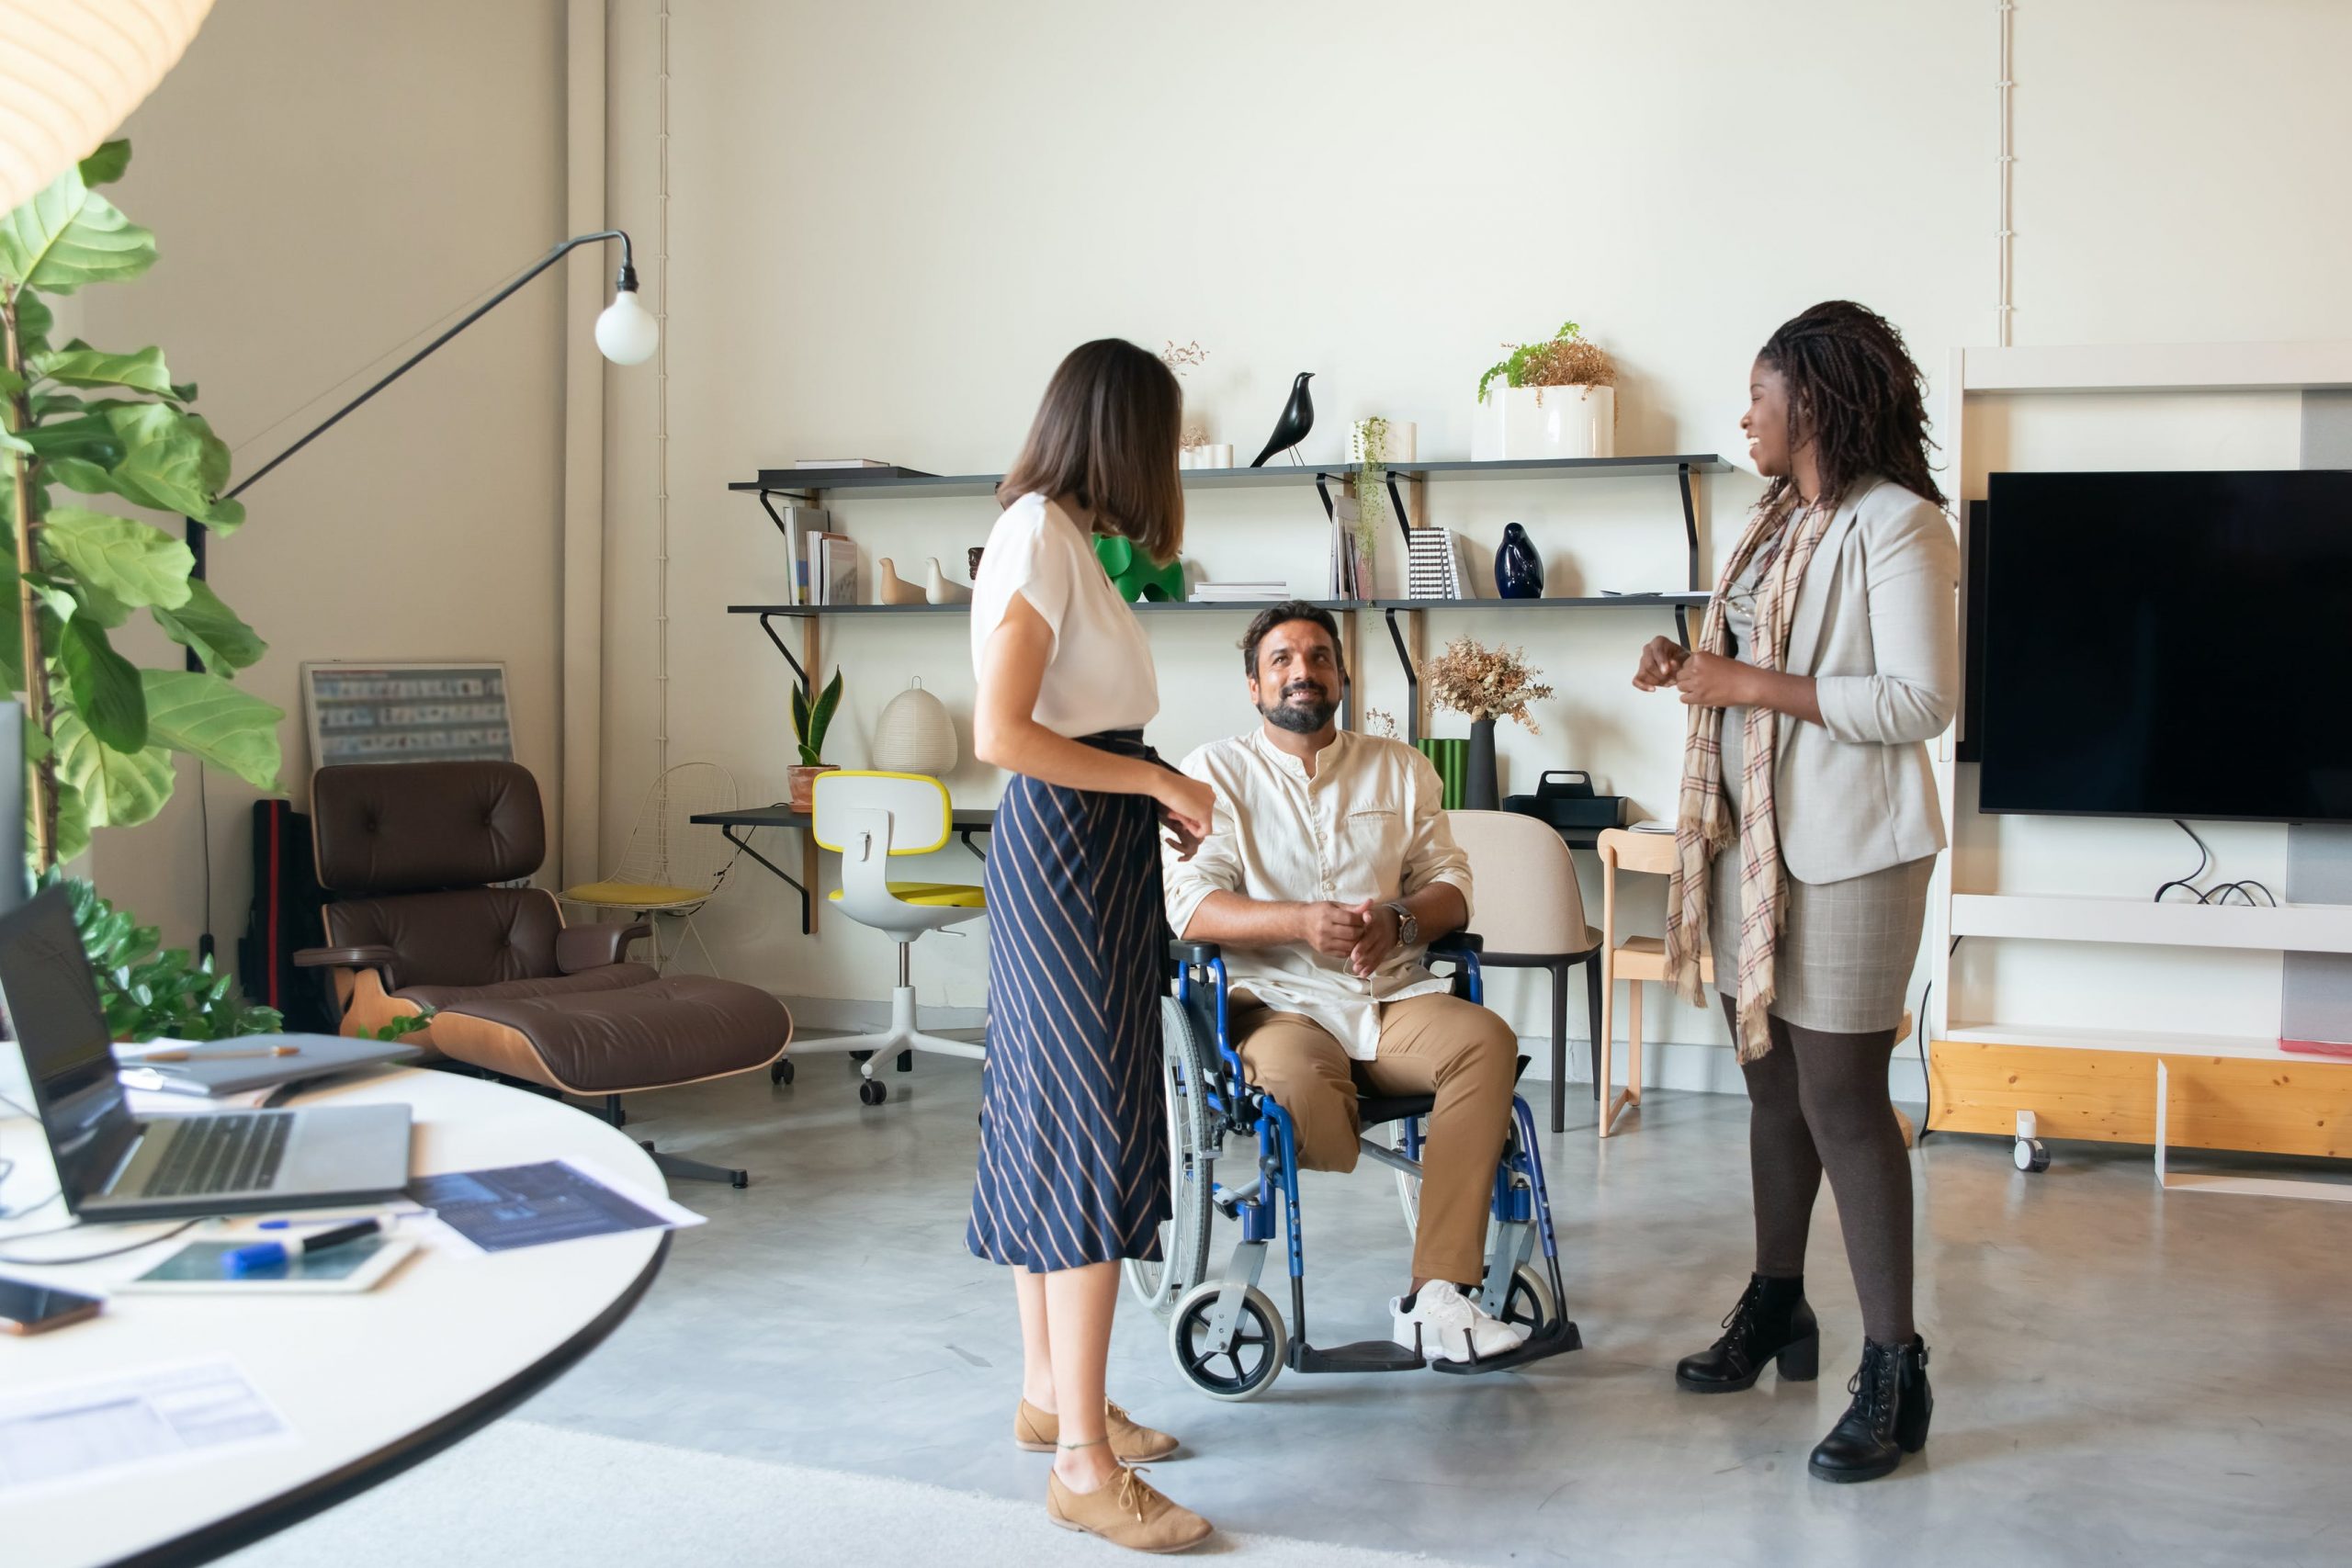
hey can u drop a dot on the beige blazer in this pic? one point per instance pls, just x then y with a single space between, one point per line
1876 627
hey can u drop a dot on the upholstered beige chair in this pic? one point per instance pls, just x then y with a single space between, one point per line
1532 913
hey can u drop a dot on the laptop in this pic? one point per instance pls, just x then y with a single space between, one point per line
114 1165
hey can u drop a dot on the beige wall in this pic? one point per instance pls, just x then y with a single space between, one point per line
889 221
328 180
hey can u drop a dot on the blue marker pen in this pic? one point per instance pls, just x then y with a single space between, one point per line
271 1254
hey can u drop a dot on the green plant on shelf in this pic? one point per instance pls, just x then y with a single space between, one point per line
810 720
148 990
1563 359
1371 443
100 731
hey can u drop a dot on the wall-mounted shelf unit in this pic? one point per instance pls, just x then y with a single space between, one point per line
912 482
2286 928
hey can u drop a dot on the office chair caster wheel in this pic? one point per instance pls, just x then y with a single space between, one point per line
739 1180
872 1093
1529 1300
780 1070
2030 1157
1249 1366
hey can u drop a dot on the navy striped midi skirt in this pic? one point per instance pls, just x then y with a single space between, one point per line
1073 1166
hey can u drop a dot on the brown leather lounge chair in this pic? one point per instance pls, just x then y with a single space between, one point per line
410 850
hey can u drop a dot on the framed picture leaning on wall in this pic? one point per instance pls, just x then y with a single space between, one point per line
407 713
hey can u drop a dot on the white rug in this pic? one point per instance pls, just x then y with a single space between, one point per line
519 1494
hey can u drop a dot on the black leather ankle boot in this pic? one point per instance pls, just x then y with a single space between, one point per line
1771 1319
1888 1417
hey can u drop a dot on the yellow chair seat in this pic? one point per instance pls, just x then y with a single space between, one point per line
936 894
635 894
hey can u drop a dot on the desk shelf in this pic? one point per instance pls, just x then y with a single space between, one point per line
913 483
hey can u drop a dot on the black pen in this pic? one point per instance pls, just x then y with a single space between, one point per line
271 1254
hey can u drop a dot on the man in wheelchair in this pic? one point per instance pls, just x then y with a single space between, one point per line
1327 872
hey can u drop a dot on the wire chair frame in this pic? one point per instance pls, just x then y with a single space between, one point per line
667 847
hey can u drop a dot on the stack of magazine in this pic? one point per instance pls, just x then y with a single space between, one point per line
1239 593
1438 565
824 563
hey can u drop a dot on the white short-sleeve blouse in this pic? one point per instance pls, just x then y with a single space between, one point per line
1100 675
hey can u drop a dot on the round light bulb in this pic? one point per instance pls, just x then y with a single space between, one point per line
626 332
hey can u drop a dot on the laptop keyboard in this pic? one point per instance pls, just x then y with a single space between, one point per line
223 1153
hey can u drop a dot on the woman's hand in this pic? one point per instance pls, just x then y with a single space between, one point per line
1661 658
1711 681
1187 805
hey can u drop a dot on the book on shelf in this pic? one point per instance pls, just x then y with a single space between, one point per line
1434 568
836 575
838 463
1238 592
1350 573
802 527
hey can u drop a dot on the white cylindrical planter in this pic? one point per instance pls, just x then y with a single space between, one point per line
1516 424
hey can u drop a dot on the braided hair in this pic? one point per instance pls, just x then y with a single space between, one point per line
1855 393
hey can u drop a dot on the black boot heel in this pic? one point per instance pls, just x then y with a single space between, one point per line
1881 1424
1770 1320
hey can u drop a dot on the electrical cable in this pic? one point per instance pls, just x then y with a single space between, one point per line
8 1167
93 1256
2245 887
2204 860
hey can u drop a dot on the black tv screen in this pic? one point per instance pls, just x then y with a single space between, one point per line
2166 645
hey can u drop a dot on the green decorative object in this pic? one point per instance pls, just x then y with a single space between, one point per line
1133 574
1452 760
148 989
117 429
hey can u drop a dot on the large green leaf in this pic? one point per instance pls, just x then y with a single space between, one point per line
73 823
106 690
34 321
172 462
222 640
12 640
208 718
68 235
86 436
134 562
79 364
10 383
105 165
118 789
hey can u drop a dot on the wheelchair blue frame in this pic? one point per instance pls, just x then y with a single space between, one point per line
1521 1210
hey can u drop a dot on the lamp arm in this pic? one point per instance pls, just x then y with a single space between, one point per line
626 282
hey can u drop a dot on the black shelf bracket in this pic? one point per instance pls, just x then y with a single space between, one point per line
767 624
1691 537
743 841
1412 682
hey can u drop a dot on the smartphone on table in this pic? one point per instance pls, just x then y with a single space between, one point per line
27 1307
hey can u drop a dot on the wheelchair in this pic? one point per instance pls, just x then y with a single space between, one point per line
1226 1335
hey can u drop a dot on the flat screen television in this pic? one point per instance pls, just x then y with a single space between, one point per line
2164 645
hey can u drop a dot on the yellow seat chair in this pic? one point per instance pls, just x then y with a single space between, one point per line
868 818
673 865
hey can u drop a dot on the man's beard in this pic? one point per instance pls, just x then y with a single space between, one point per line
1304 718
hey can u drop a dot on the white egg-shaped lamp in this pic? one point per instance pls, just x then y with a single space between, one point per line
914 734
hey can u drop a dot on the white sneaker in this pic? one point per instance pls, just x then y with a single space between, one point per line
1447 1325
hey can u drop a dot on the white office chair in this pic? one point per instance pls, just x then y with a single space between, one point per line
868 818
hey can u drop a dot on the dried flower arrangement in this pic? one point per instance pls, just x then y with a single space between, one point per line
1180 358
1565 359
1380 722
1484 683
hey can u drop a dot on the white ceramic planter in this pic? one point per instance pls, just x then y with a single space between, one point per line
1521 422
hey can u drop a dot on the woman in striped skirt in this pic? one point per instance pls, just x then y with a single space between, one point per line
1072 1174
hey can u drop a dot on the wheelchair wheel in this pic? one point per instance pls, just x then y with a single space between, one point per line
1184 1238
1244 1371
1528 1302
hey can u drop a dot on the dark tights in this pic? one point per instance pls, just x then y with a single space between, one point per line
1818 1101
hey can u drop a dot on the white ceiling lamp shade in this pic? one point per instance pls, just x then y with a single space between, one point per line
71 70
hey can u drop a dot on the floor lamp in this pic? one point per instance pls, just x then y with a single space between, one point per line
626 333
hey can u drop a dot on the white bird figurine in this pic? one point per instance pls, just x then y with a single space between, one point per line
941 590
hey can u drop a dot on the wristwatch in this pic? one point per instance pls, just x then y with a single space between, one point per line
1408 930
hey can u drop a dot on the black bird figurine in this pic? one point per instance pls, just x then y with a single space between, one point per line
1298 418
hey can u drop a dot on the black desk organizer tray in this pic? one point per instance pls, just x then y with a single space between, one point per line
1564 798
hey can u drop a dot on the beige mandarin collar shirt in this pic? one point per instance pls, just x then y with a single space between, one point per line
1367 824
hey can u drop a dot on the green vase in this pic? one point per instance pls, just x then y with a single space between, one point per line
1452 759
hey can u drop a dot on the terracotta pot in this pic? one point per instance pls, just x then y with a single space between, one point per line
803 785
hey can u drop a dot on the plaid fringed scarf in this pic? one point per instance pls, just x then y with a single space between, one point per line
1783 546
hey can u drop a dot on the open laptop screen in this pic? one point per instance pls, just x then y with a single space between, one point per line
52 1002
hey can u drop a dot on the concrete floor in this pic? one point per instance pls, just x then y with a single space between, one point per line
2120 1376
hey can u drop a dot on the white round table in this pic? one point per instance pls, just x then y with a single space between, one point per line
371 1384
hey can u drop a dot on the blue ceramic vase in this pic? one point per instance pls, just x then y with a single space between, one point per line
1518 570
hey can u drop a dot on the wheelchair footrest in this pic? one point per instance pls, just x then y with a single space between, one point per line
1363 1356
1557 1339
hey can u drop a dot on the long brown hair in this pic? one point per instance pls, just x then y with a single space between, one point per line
1855 392
1106 437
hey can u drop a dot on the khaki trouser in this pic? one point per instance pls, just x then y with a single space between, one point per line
1438 1045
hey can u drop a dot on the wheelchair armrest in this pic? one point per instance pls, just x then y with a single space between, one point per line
1191 952
1457 942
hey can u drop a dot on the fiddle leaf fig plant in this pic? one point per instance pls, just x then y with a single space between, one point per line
101 424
